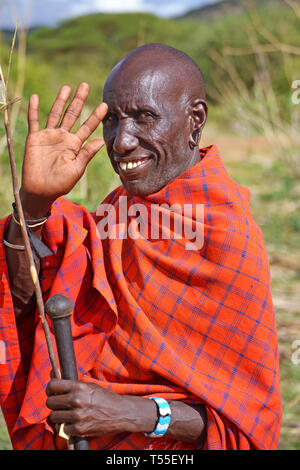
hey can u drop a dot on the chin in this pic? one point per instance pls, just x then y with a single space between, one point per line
136 189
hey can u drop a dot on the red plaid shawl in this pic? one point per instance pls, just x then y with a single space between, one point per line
153 318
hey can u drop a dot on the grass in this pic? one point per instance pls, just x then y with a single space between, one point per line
275 207
5 443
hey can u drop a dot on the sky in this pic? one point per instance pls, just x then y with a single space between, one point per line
50 12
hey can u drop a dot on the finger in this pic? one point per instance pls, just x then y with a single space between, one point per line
72 430
59 386
63 416
74 109
92 122
33 114
60 402
58 107
89 151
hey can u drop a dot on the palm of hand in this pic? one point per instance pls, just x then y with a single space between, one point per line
55 159
52 167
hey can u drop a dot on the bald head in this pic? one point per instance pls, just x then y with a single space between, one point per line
177 65
156 112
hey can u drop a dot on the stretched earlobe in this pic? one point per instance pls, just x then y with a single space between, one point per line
198 120
194 139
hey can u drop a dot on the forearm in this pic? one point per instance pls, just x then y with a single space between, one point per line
188 423
90 410
21 286
22 289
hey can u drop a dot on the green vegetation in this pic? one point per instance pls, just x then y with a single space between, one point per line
275 206
251 118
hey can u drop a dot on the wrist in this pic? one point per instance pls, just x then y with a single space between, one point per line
163 417
34 207
141 414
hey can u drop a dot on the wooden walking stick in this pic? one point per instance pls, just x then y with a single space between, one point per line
59 309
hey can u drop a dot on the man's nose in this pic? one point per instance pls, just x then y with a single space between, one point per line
125 140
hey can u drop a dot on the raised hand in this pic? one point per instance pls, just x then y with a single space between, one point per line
55 159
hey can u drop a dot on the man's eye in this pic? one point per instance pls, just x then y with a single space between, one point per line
110 117
145 116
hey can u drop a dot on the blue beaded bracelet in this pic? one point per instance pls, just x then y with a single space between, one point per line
164 417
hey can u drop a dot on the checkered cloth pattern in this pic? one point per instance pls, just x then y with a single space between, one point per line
153 318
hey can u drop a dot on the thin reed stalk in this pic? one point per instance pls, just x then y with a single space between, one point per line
29 253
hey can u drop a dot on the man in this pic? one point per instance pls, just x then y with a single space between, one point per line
191 324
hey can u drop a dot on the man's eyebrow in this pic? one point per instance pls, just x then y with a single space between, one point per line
147 109
132 110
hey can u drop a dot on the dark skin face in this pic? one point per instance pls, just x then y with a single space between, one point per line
154 122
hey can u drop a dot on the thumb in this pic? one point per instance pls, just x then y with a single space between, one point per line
89 151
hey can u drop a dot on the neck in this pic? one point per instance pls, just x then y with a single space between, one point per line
195 158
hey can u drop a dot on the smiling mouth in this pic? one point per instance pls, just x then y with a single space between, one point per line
130 165
133 165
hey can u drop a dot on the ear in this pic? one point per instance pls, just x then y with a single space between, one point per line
198 116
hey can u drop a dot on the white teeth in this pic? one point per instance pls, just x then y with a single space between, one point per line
128 166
